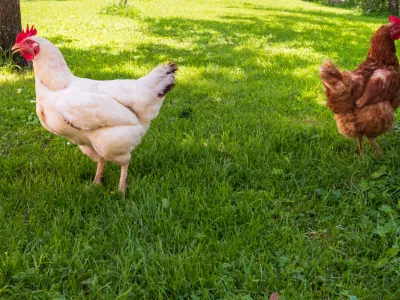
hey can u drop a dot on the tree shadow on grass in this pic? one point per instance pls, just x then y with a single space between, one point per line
299 31
344 12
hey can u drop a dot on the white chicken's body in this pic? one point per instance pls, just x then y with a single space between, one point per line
113 142
107 119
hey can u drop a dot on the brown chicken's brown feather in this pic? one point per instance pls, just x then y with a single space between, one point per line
365 99
337 88
375 119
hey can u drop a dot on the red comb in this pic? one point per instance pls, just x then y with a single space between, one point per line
24 34
394 19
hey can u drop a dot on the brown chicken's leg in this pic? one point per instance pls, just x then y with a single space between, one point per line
122 179
360 146
378 150
99 172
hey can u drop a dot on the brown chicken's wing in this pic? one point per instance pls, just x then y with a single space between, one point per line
381 86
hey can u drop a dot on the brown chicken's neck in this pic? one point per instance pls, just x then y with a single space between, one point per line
382 48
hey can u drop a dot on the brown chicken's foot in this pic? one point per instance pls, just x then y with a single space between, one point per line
122 179
100 167
360 146
378 150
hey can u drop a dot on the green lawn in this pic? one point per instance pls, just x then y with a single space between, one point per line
242 186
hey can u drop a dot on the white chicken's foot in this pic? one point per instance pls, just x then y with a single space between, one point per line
122 179
100 167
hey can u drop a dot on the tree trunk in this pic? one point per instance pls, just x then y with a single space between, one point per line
10 23
123 2
393 6
10 26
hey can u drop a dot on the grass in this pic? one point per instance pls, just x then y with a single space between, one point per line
242 186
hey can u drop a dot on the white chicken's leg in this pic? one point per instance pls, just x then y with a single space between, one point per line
99 172
122 179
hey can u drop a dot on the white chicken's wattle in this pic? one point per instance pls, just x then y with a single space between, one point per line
107 119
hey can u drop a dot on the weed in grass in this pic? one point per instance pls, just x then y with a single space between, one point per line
120 10
7 63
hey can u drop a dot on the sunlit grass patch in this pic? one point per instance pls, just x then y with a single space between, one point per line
242 186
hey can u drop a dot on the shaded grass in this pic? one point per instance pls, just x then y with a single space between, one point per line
241 187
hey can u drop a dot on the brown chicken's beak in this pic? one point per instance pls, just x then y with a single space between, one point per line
16 49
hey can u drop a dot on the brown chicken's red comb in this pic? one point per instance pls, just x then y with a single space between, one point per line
27 33
394 19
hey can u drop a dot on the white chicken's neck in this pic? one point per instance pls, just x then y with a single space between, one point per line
50 67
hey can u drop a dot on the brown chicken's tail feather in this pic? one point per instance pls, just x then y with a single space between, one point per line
337 87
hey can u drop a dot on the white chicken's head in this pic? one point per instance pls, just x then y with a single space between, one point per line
26 43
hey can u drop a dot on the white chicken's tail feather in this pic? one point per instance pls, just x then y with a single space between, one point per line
161 78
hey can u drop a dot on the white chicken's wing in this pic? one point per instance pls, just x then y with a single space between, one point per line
87 111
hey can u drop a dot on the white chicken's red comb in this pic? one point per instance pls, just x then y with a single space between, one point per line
27 33
394 19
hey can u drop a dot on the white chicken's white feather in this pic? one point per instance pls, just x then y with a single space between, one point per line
86 111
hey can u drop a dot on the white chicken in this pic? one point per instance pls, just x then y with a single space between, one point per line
107 119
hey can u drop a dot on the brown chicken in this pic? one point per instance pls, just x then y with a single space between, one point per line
365 99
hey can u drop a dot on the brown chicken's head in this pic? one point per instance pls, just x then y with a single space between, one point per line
25 43
395 29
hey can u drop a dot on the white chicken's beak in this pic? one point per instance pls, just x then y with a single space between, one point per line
16 49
